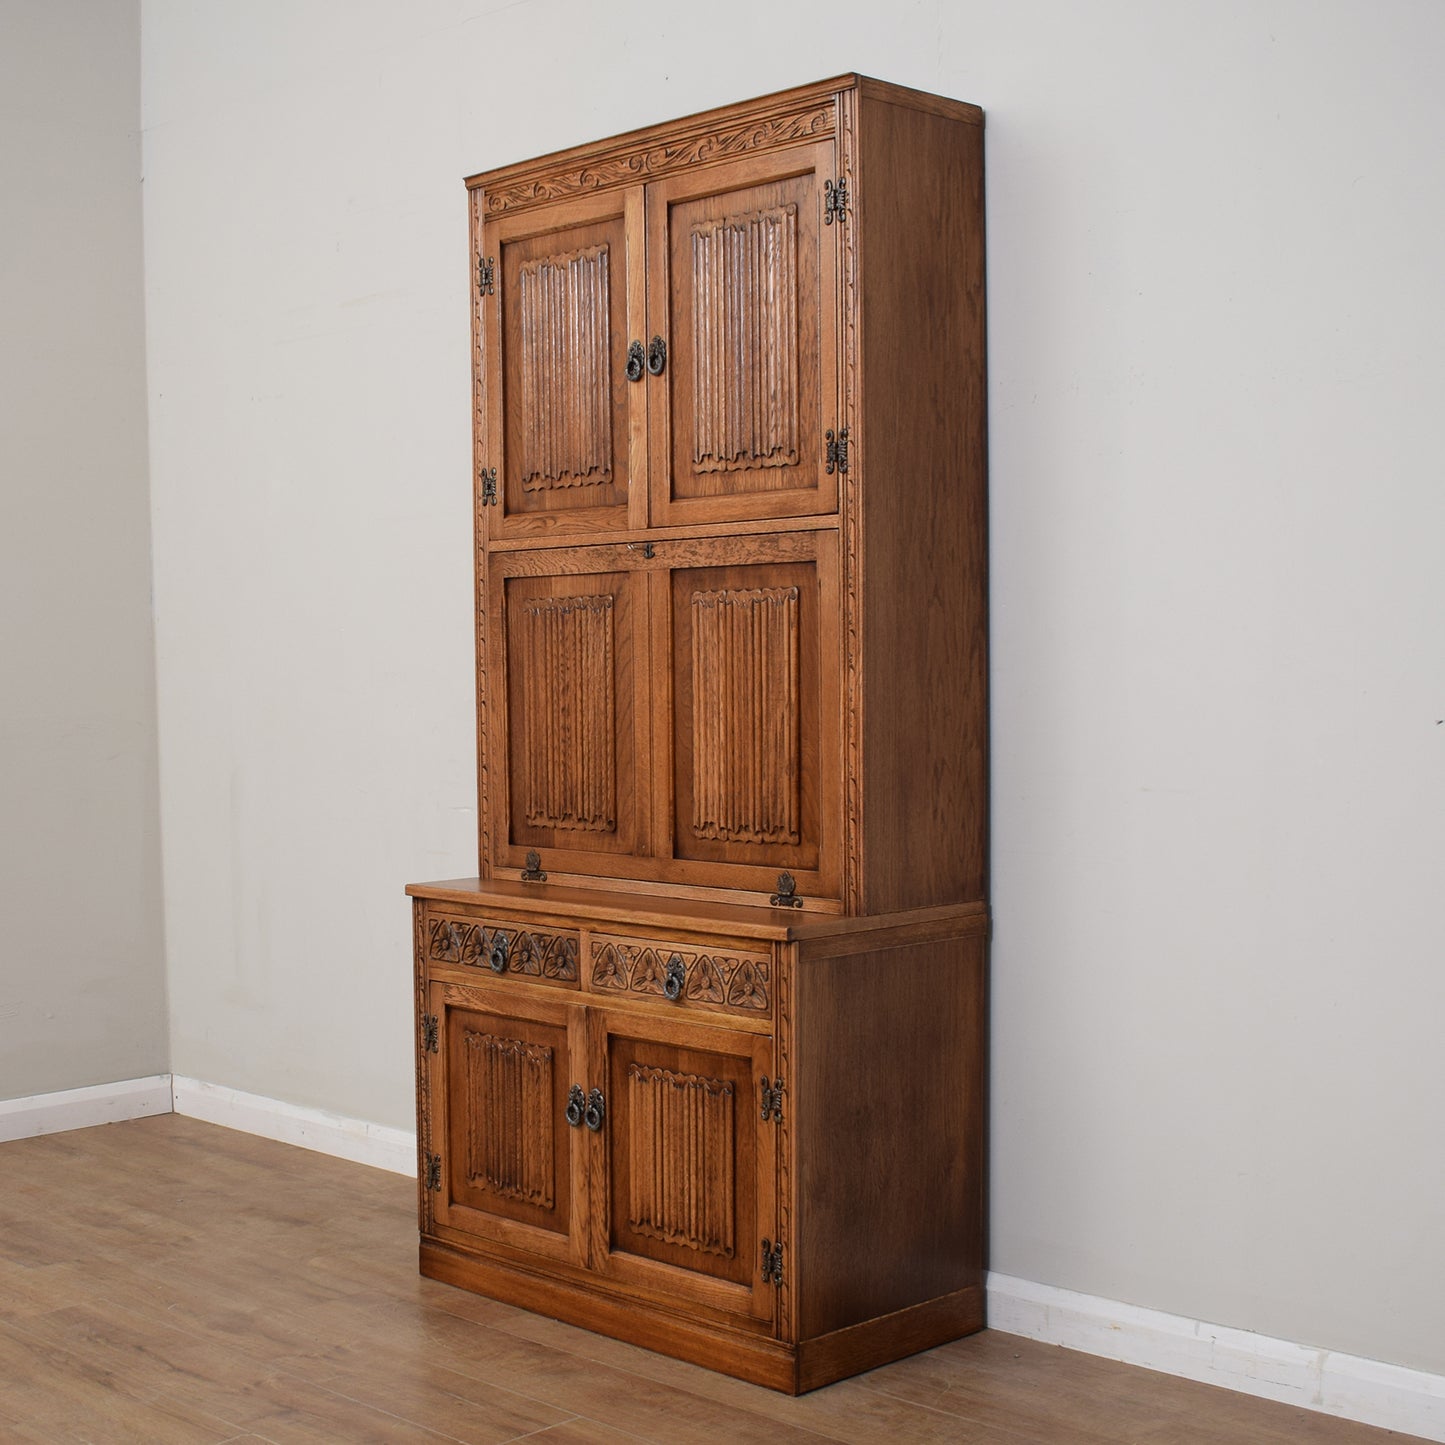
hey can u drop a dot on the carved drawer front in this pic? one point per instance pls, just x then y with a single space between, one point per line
721 978
500 949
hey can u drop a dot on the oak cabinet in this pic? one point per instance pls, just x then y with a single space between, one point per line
701 1049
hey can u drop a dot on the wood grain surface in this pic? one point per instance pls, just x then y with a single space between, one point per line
165 1280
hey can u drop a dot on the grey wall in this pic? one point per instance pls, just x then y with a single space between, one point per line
82 972
1216 310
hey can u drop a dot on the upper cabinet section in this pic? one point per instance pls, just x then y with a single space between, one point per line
655 327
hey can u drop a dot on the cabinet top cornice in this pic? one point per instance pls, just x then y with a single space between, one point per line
788 117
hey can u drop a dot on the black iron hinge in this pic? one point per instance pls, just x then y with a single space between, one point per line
434 1172
837 450
835 201
772 1099
486 276
429 1033
772 1262
489 486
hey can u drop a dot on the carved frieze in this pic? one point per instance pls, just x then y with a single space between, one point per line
715 980
623 166
525 951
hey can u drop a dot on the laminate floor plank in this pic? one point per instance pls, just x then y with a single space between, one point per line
165 1280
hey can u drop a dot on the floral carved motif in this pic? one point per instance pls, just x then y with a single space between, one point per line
536 955
710 979
620 167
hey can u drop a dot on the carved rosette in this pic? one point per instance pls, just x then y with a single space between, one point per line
711 980
622 167
532 954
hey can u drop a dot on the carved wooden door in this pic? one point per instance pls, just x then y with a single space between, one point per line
687 1191
755 710
568 702
560 424
742 289
511 1168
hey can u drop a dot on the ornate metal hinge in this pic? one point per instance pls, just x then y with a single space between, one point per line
489 484
835 201
532 873
429 1033
772 1100
486 276
434 1172
837 450
787 894
772 1262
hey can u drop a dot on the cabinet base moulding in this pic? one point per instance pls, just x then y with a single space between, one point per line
790 1369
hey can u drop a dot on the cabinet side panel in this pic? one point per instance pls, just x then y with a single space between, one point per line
888 1100
922 453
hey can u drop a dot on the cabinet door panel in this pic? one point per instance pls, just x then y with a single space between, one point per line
508 1162
569 750
689 1189
563 420
742 285
754 689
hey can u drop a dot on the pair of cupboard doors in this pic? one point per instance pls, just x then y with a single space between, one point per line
634 1147
663 353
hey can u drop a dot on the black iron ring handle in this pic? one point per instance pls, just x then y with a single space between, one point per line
656 356
634 361
576 1107
676 977
497 958
596 1111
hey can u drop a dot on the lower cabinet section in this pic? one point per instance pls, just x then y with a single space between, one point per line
770 1163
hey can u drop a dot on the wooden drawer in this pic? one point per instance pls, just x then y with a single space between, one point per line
715 977
502 949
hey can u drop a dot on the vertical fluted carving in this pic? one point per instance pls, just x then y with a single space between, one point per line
745 360
683 1184
509 1118
745 689
566 730
566 403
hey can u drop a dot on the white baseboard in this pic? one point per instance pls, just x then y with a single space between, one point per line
82 1108
355 1139
1353 1388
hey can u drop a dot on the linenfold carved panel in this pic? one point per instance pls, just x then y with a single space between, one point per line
566 402
509 1117
745 709
566 732
683 1175
745 320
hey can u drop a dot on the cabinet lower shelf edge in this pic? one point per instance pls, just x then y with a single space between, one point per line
790 1369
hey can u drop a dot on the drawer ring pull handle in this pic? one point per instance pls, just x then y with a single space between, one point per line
497 958
576 1106
635 361
656 356
596 1111
675 978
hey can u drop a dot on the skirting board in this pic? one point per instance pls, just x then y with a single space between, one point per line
354 1139
1348 1386
82 1108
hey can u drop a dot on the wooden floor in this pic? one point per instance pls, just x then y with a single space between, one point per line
169 1281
